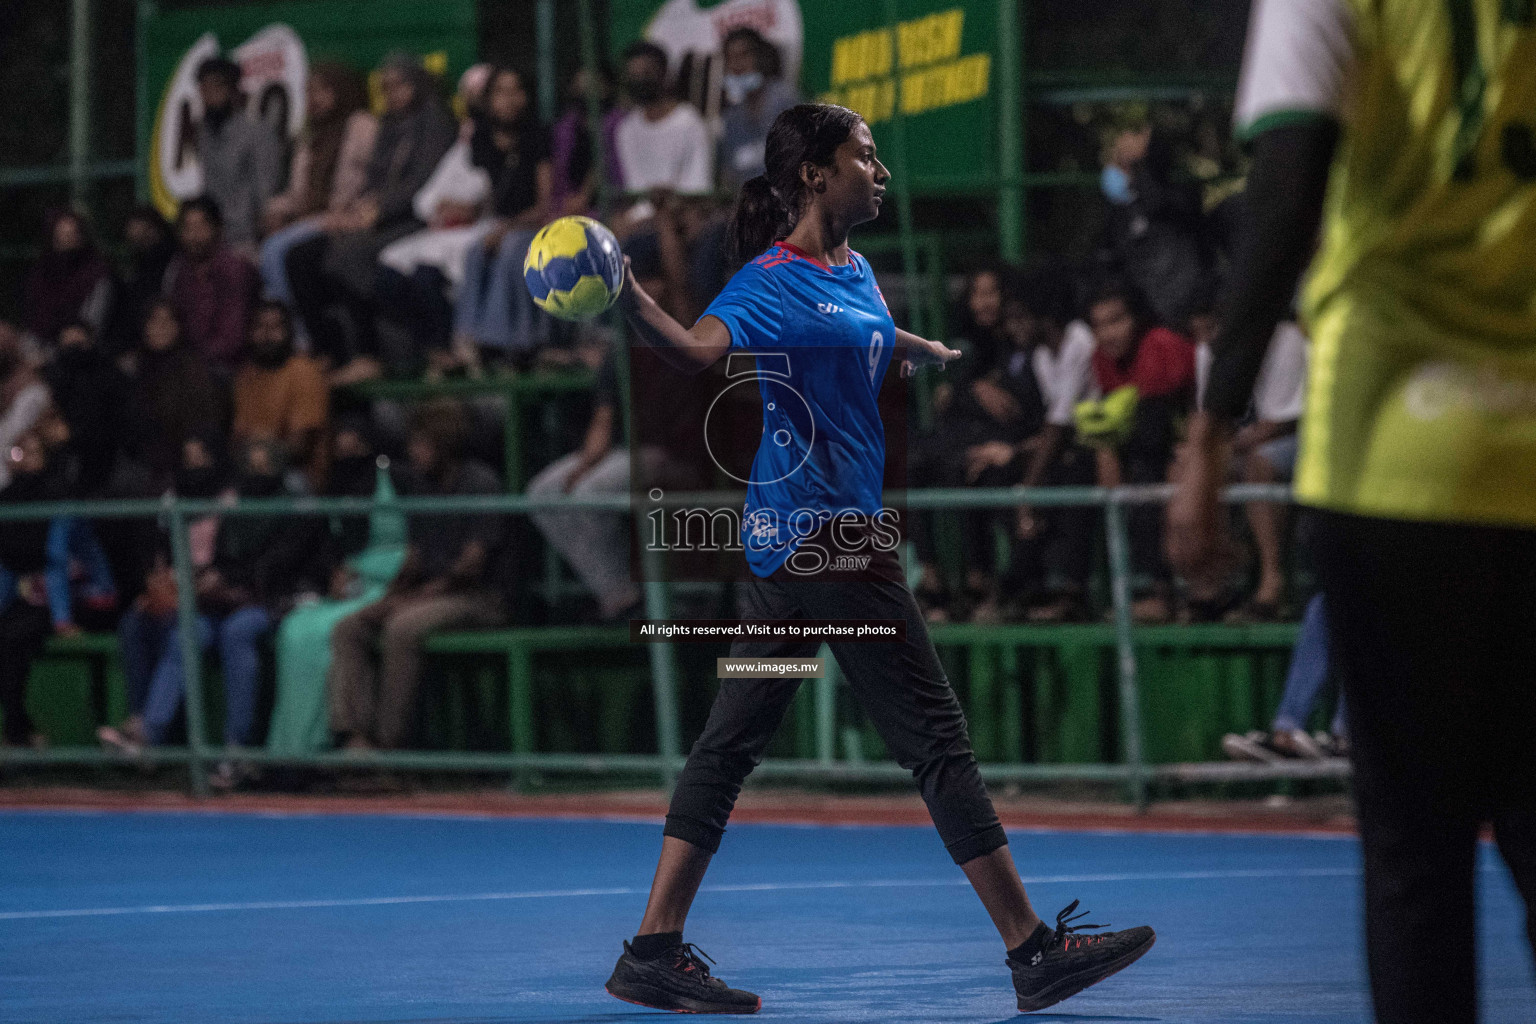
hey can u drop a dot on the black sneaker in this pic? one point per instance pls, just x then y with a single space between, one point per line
677 981
1069 962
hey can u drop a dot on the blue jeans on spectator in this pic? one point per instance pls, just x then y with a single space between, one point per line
1309 671
494 307
157 684
68 539
274 253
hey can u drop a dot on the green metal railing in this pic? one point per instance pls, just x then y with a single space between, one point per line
1131 769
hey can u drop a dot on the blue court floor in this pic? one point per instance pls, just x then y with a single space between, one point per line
213 918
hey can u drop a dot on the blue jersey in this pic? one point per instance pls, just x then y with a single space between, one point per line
823 339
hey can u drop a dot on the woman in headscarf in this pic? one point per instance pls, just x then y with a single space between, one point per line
329 169
172 397
337 267
71 281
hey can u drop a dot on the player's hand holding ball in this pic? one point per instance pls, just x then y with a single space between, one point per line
574 268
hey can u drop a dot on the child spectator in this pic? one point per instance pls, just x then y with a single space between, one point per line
328 171
443 584
70 281
338 268
241 156
1150 371
280 395
211 285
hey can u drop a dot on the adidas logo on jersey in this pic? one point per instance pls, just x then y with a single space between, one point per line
829 308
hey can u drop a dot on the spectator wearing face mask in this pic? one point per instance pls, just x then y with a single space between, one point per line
755 94
211 285
241 156
280 394
668 164
71 281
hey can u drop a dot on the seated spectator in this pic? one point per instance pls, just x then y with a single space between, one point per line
90 393
258 565
171 397
571 159
1151 371
939 457
1288 737
1264 450
23 395
595 543
443 584
364 554
1155 230
338 268
665 152
241 156
281 395
70 281
755 94
417 273
24 619
69 544
494 310
150 247
328 171
1040 324
211 286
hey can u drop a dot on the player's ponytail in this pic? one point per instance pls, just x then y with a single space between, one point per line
771 203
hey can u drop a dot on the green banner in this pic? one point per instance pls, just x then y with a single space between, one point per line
934 64
274 44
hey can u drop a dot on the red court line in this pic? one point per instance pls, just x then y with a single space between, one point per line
766 808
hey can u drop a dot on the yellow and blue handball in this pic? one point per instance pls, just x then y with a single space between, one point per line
574 269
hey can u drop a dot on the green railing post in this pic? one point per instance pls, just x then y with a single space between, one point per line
658 605
587 26
1125 646
79 100
1010 131
143 124
826 709
544 36
191 650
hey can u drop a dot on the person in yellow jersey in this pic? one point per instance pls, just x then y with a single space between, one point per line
1405 130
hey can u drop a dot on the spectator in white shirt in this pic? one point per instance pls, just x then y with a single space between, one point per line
1264 449
667 159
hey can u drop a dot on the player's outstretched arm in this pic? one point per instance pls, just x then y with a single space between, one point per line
919 351
686 350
